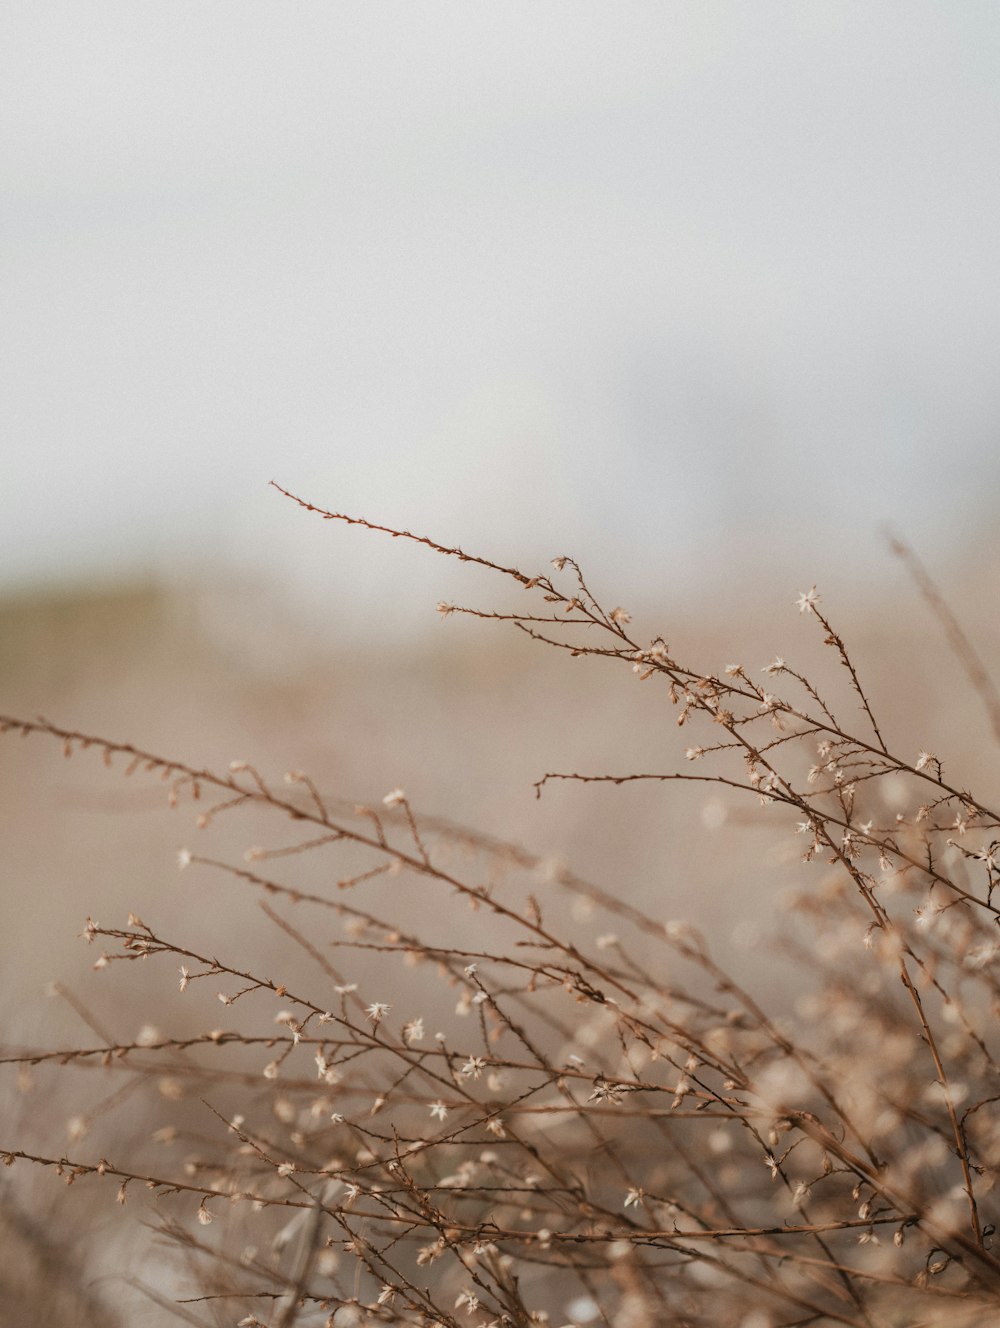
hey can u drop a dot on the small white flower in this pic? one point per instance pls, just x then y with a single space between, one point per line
185 977
413 1031
394 797
473 1067
924 759
438 1110
620 616
632 1198
807 601
77 1127
428 1253
377 1010
605 1092
681 932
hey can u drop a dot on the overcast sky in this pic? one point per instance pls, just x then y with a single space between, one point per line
653 283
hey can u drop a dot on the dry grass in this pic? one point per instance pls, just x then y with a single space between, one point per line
547 1106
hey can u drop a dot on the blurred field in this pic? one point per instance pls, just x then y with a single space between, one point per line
464 717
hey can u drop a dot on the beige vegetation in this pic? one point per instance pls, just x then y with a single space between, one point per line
44 1281
464 720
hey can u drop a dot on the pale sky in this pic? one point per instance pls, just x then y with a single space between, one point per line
658 284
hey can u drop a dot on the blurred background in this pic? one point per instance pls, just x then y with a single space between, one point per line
703 294
662 282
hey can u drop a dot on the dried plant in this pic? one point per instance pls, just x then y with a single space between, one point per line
608 1128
